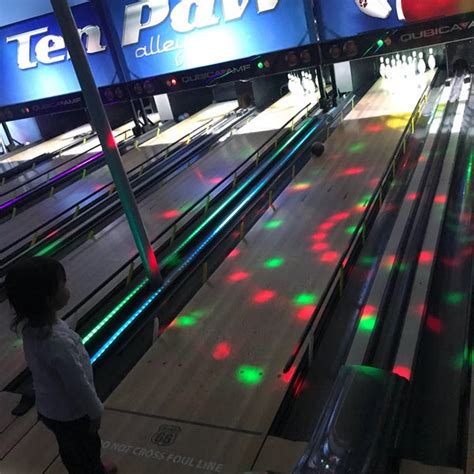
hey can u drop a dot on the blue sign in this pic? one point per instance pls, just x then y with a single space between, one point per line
344 18
150 37
35 63
160 37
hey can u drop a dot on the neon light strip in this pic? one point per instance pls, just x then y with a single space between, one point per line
167 260
51 181
191 257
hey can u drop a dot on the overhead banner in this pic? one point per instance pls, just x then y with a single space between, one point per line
158 37
346 18
143 39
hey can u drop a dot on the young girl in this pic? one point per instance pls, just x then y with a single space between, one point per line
66 399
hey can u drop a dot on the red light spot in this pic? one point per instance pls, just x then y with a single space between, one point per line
221 351
389 261
374 128
216 180
171 214
450 262
421 309
173 82
440 199
52 234
152 260
238 276
234 253
434 324
368 311
326 225
111 141
402 371
300 187
320 246
352 171
264 296
305 313
412 196
340 216
319 236
289 375
425 257
422 158
329 257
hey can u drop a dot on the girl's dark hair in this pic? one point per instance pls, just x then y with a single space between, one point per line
30 286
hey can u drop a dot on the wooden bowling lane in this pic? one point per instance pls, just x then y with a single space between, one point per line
111 247
10 160
31 178
209 388
48 207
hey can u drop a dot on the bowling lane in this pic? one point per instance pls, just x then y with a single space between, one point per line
214 386
95 260
49 207
15 158
67 159
223 371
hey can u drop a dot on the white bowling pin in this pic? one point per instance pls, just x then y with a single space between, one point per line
431 59
388 69
374 8
421 63
398 61
404 66
411 69
382 68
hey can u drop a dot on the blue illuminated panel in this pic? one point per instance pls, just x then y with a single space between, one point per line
159 36
151 37
34 62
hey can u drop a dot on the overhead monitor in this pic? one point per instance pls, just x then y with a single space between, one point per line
346 18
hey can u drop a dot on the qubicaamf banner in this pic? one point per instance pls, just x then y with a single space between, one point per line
34 61
164 36
151 37
343 18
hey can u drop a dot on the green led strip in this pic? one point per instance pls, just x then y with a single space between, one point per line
173 255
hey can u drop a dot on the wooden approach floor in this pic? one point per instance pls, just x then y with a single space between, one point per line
202 399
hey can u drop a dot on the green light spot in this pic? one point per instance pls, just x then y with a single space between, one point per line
367 323
172 260
380 43
273 224
453 297
260 65
185 321
351 229
367 261
305 299
249 375
48 249
274 262
357 147
402 267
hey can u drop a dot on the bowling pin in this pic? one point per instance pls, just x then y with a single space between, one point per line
398 61
388 69
374 8
405 66
431 59
421 63
411 67
382 68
